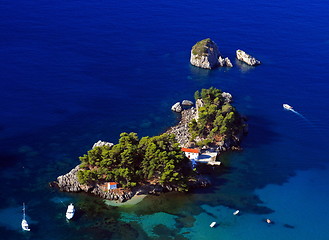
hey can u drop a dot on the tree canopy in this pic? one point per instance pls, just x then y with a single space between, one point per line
135 160
217 118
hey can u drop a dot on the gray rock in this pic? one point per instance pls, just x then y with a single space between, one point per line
187 103
224 62
227 96
177 107
69 182
102 143
221 61
205 54
228 62
199 103
181 129
244 57
113 195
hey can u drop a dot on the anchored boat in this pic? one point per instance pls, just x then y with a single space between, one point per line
25 225
70 211
236 212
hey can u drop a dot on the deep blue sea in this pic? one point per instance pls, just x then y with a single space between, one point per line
74 72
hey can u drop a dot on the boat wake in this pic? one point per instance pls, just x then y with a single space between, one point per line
299 114
289 108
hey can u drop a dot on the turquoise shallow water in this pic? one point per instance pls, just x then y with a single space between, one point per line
298 213
75 72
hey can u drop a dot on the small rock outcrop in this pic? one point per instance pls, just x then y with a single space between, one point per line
177 107
227 96
69 182
187 103
205 54
224 62
102 143
244 57
200 181
228 62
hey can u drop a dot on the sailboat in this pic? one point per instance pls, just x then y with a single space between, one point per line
25 225
70 211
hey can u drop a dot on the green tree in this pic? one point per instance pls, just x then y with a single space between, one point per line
197 95
133 160
217 119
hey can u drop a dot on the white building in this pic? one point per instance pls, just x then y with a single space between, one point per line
191 153
109 186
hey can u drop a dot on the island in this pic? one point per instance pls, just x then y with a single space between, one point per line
168 162
205 54
246 58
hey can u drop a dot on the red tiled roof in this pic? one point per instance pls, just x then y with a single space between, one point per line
112 183
190 150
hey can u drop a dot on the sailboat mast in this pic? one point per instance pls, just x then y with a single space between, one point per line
24 211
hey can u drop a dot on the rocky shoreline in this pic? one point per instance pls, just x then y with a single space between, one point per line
69 183
181 129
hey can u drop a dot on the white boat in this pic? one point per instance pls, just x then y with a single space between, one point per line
236 212
70 211
25 225
287 107
212 224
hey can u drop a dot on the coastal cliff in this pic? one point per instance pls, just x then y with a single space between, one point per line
205 54
69 183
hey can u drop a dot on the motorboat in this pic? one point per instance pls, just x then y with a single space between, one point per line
287 107
236 212
25 225
70 211
212 224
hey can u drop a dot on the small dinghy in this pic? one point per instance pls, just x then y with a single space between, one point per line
25 225
287 107
236 212
212 224
70 211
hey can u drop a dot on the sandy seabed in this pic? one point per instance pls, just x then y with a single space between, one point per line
134 200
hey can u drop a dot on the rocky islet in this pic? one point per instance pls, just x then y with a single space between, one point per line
205 54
